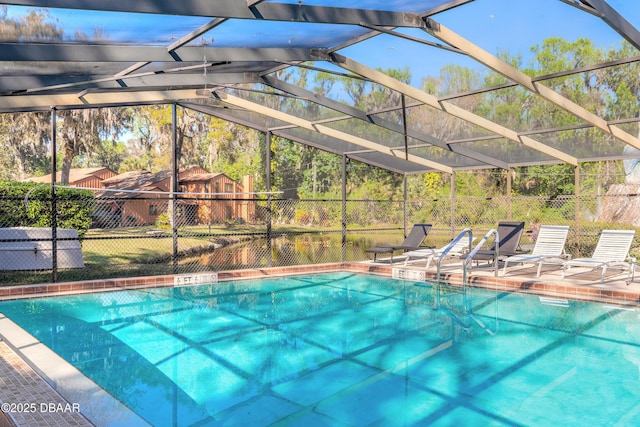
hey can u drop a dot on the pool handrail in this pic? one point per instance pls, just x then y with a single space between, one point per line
451 244
469 258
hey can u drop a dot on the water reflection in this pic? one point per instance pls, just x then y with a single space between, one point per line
286 250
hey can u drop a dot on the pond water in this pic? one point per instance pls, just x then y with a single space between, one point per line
291 250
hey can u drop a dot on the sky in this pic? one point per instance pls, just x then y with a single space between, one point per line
513 26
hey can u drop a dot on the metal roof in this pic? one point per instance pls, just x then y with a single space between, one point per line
242 61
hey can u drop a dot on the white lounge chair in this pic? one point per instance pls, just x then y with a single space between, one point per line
612 250
456 250
549 248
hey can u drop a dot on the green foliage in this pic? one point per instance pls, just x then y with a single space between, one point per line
321 176
287 159
432 183
163 222
547 180
74 207
485 183
108 154
624 85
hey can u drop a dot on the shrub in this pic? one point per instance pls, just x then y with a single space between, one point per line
27 204
162 222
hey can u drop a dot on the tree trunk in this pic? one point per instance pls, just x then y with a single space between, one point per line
69 153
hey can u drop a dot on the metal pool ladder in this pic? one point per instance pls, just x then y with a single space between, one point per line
467 261
465 300
445 251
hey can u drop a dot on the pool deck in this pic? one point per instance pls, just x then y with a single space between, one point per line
31 374
34 402
578 283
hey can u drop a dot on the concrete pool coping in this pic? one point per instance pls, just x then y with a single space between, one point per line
43 389
33 370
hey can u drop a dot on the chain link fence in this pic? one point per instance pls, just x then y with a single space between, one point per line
140 235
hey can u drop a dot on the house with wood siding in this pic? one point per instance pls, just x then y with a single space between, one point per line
139 198
79 177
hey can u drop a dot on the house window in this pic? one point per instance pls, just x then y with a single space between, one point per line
153 209
228 187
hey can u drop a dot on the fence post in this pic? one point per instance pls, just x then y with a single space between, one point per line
509 201
269 196
404 205
344 208
54 201
174 184
577 205
452 200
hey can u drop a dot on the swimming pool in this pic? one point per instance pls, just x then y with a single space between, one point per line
347 349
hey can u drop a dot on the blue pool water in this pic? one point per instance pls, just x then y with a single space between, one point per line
343 349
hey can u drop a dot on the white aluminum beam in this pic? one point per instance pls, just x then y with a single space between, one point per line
34 102
268 11
306 124
372 118
441 32
43 52
447 107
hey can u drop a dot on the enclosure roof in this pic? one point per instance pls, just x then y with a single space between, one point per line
410 86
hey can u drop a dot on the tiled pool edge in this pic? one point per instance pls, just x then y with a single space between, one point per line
590 293
505 284
66 288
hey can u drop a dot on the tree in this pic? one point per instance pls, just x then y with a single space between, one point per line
25 135
622 84
34 26
25 138
452 79
287 159
110 154
233 149
555 55
322 175
82 131
544 180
